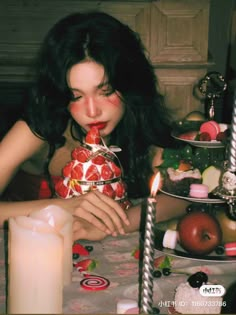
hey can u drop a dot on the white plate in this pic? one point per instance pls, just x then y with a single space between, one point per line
180 252
201 200
201 144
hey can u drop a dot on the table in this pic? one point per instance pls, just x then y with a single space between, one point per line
116 263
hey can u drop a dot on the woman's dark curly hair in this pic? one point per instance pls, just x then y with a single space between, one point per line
102 38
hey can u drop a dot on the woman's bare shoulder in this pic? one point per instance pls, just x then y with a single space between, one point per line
156 155
19 143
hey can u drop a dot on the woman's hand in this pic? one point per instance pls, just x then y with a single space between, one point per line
83 230
99 210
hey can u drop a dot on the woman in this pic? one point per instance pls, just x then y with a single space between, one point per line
92 71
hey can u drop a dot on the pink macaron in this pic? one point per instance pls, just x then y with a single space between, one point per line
230 249
211 127
198 191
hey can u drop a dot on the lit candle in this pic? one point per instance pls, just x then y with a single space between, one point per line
62 222
148 254
35 284
232 147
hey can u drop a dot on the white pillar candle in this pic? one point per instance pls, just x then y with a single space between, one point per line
35 267
62 222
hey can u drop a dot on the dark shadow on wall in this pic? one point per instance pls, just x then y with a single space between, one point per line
12 96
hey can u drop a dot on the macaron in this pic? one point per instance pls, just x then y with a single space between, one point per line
211 127
198 191
230 249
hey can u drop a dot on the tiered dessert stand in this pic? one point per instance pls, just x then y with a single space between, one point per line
226 192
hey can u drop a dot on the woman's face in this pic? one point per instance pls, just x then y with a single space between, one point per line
94 102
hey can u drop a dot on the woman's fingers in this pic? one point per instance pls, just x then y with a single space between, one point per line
82 229
103 212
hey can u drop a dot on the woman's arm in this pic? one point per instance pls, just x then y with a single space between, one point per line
19 145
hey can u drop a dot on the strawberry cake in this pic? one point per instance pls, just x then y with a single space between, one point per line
93 166
178 181
189 298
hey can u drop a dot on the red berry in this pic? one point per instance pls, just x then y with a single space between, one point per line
221 136
86 264
136 253
204 136
92 173
77 171
80 249
106 172
80 154
109 191
93 136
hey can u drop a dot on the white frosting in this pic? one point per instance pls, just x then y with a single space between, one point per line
188 300
125 304
176 175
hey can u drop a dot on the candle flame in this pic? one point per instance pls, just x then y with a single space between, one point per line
155 184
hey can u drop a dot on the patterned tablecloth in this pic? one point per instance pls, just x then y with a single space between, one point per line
118 265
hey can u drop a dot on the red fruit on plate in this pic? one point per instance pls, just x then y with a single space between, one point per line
189 135
204 136
184 166
221 136
81 154
93 136
92 173
86 264
211 127
199 233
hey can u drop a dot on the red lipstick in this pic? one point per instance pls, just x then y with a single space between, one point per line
99 125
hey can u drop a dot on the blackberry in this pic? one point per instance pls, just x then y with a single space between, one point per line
197 279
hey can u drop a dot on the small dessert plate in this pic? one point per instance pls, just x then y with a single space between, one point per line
201 144
200 200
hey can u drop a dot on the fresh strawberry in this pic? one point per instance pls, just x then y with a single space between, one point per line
136 253
162 262
77 171
99 160
106 172
184 166
115 169
80 249
189 135
77 187
109 191
67 169
92 173
93 136
204 136
81 154
120 190
62 190
86 264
